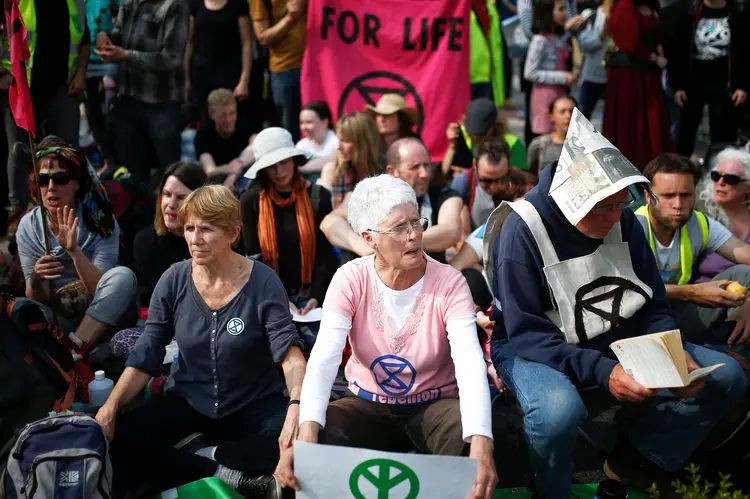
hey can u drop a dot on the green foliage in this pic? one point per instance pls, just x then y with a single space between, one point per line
697 488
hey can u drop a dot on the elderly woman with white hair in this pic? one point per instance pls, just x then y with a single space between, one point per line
411 324
723 195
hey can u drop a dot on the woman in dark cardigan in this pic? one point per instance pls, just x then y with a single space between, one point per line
281 216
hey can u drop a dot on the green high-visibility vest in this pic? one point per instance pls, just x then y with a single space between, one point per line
77 25
686 248
486 60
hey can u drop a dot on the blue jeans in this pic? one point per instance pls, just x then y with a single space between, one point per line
667 433
285 88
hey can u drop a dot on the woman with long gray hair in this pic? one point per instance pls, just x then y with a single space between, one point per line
723 195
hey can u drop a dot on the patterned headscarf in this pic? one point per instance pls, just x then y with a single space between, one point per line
97 210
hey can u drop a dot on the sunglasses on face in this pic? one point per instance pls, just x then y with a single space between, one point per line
490 181
729 178
59 178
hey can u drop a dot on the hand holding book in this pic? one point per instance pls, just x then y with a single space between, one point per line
659 361
697 383
624 388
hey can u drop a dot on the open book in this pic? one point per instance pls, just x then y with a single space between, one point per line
657 360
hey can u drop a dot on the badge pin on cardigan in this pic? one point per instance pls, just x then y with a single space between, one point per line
235 326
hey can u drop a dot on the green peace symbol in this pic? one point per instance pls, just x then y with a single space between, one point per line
383 481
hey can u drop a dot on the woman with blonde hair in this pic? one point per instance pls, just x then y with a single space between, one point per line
723 195
223 413
359 155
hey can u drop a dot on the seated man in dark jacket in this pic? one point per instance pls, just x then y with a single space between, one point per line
564 292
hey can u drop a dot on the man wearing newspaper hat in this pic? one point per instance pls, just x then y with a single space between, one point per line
572 272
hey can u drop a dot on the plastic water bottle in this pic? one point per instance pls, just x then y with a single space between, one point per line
100 388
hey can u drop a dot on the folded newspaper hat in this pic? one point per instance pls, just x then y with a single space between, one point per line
590 169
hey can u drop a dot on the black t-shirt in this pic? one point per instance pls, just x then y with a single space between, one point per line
438 195
154 255
50 69
217 34
223 150
287 241
711 44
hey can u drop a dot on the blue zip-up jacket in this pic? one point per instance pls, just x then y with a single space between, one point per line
521 288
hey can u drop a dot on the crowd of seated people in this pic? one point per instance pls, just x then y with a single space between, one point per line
222 276
357 220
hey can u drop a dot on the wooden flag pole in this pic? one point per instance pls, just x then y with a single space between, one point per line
42 208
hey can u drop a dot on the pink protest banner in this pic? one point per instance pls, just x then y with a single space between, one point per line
358 50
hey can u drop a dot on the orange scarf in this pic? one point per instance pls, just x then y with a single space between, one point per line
305 222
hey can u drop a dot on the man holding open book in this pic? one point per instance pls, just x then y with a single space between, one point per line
572 273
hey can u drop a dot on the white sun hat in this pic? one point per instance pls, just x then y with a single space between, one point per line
272 146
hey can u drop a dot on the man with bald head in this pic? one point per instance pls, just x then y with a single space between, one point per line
408 159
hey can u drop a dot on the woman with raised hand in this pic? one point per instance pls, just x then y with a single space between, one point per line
80 279
224 413
411 325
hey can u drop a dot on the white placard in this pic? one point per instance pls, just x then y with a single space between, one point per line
314 315
326 471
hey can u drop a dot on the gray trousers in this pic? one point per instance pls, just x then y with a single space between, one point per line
55 114
113 299
695 321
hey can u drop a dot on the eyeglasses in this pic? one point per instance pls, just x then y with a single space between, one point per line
729 178
601 210
59 178
401 232
490 181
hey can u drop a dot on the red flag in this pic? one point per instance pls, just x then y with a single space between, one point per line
18 93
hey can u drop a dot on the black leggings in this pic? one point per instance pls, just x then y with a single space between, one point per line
723 117
143 448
